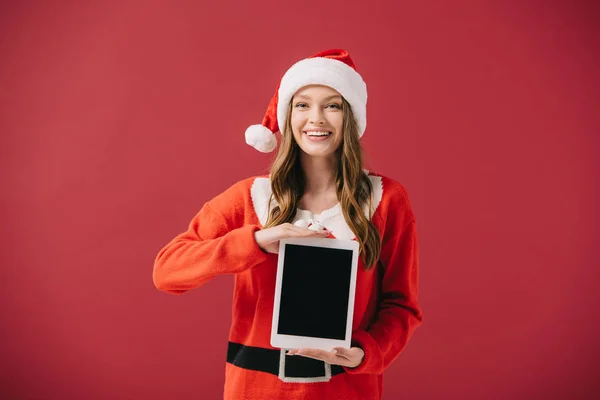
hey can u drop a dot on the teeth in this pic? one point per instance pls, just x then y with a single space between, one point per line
319 133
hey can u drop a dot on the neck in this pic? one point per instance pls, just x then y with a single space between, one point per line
319 173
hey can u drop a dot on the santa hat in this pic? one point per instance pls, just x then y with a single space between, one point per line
333 68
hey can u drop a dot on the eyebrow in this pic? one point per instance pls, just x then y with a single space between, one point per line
326 98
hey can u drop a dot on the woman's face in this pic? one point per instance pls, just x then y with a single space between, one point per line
317 120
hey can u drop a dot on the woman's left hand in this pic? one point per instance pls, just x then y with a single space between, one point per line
338 356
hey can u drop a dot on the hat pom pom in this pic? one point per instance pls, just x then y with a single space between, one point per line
261 138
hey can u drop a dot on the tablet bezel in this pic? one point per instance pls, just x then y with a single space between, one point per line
296 342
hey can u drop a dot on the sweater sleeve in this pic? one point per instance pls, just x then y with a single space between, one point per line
399 313
210 247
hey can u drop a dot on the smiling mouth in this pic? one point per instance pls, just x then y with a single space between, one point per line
317 133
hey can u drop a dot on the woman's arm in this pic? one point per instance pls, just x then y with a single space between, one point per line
399 313
208 248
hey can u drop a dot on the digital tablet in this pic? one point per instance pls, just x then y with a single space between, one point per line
314 293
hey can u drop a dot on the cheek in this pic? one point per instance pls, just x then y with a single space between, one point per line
338 123
296 124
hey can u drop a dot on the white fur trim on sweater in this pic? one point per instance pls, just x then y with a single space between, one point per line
332 219
261 194
261 138
328 72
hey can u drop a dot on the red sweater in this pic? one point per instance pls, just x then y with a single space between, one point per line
220 240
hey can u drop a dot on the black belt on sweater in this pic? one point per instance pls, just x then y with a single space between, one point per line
278 363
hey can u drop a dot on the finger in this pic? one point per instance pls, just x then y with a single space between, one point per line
310 232
354 355
293 230
342 352
318 354
329 357
313 352
290 229
324 359
305 233
348 355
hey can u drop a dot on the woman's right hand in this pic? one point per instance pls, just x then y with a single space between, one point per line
268 239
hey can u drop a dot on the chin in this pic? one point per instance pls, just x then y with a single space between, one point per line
318 153
315 149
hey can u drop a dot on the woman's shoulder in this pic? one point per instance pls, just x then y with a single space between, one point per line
239 194
244 185
389 187
394 201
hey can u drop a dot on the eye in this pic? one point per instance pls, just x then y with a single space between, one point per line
334 105
300 105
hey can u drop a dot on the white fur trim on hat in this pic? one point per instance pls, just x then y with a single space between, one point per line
261 138
329 72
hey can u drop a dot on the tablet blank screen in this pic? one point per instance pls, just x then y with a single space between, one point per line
315 289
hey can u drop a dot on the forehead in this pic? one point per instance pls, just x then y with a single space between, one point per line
317 91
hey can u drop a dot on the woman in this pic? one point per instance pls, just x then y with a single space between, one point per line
317 188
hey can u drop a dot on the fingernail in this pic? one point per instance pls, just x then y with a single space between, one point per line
334 351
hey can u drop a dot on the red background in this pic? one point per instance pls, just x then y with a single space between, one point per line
118 120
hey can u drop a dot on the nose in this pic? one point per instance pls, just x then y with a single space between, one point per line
317 116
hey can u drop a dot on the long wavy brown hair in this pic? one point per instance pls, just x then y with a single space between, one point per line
353 187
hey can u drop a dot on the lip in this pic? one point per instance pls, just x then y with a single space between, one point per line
316 130
309 133
320 138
